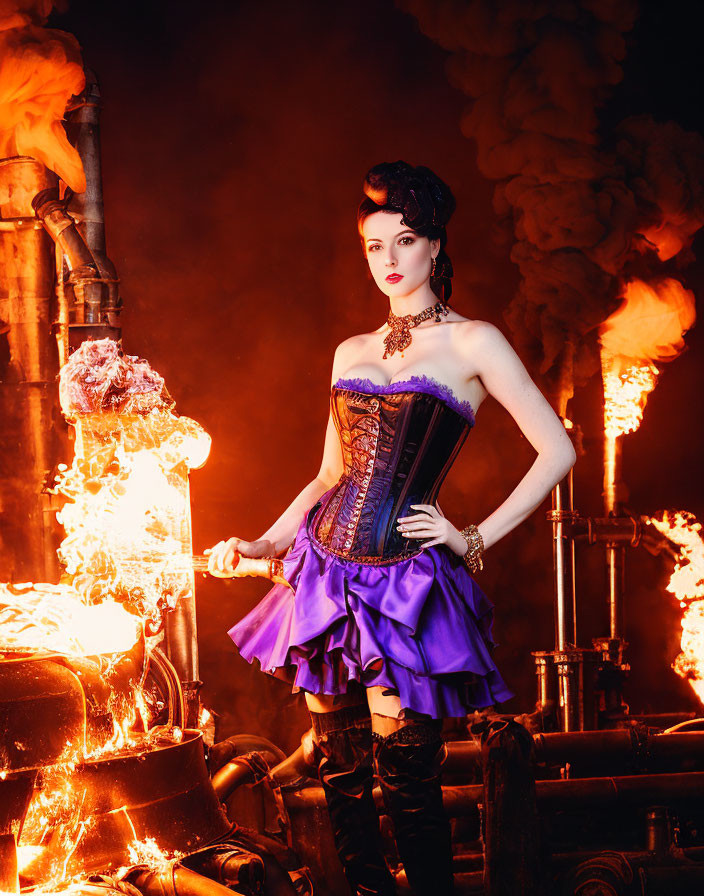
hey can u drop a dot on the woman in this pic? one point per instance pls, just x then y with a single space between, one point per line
385 629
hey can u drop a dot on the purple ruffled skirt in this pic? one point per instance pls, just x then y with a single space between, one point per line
421 626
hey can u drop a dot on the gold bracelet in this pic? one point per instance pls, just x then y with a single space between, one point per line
475 548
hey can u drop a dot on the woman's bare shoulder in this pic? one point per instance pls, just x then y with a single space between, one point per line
353 343
478 331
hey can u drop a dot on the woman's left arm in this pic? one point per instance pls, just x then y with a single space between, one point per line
507 380
505 377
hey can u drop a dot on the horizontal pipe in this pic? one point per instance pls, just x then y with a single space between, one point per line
555 748
571 793
474 861
175 880
622 743
627 789
660 719
610 745
642 857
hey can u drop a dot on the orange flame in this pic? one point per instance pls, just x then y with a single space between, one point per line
40 70
58 818
127 516
687 584
127 551
647 328
53 618
148 852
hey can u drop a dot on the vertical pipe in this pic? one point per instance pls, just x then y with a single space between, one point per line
657 830
562 515
180 633
570 683
614 553
87 208
28 370
545 674
572 560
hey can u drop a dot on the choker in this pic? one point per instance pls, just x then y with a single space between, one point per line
400 335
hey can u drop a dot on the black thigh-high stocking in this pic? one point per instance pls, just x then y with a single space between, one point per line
345 768
408 762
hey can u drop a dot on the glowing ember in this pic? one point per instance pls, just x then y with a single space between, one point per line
148 852
687 584
206 726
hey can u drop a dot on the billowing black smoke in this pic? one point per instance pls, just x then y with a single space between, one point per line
588 210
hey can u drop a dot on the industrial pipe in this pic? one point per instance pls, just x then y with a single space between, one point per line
577 793
561 516
89 287
252 757
245 864
83 128
627 745
28 370
608 874
175 880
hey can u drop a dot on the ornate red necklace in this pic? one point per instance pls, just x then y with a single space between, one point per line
400 335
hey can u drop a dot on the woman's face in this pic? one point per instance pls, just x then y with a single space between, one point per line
394 250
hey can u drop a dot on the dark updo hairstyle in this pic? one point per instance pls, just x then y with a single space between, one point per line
426 204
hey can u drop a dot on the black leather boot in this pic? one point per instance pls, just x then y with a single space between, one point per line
408 763
345 768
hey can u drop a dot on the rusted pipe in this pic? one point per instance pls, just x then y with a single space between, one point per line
561 516
176 881
558 748
88 285
83 127
252 755
624 744
620 743
599 793
231 865
554 748
28 369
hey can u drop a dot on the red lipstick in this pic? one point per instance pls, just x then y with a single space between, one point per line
394 278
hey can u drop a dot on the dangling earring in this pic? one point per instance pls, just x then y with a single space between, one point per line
432 268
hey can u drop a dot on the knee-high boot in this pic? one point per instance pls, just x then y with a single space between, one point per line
345 767
408 762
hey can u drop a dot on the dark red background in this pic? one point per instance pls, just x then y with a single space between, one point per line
235 138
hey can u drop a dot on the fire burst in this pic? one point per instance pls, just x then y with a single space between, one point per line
127 516
625 395
128 561
687 584
648 327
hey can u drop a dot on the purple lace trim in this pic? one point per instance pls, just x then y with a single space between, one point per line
413 384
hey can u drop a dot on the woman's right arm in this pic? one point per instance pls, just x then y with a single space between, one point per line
281 534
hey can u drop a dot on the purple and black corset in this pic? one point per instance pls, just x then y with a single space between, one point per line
398 444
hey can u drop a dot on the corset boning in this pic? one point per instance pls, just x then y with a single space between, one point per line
396 451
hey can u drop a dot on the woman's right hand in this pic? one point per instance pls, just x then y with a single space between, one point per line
221 557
